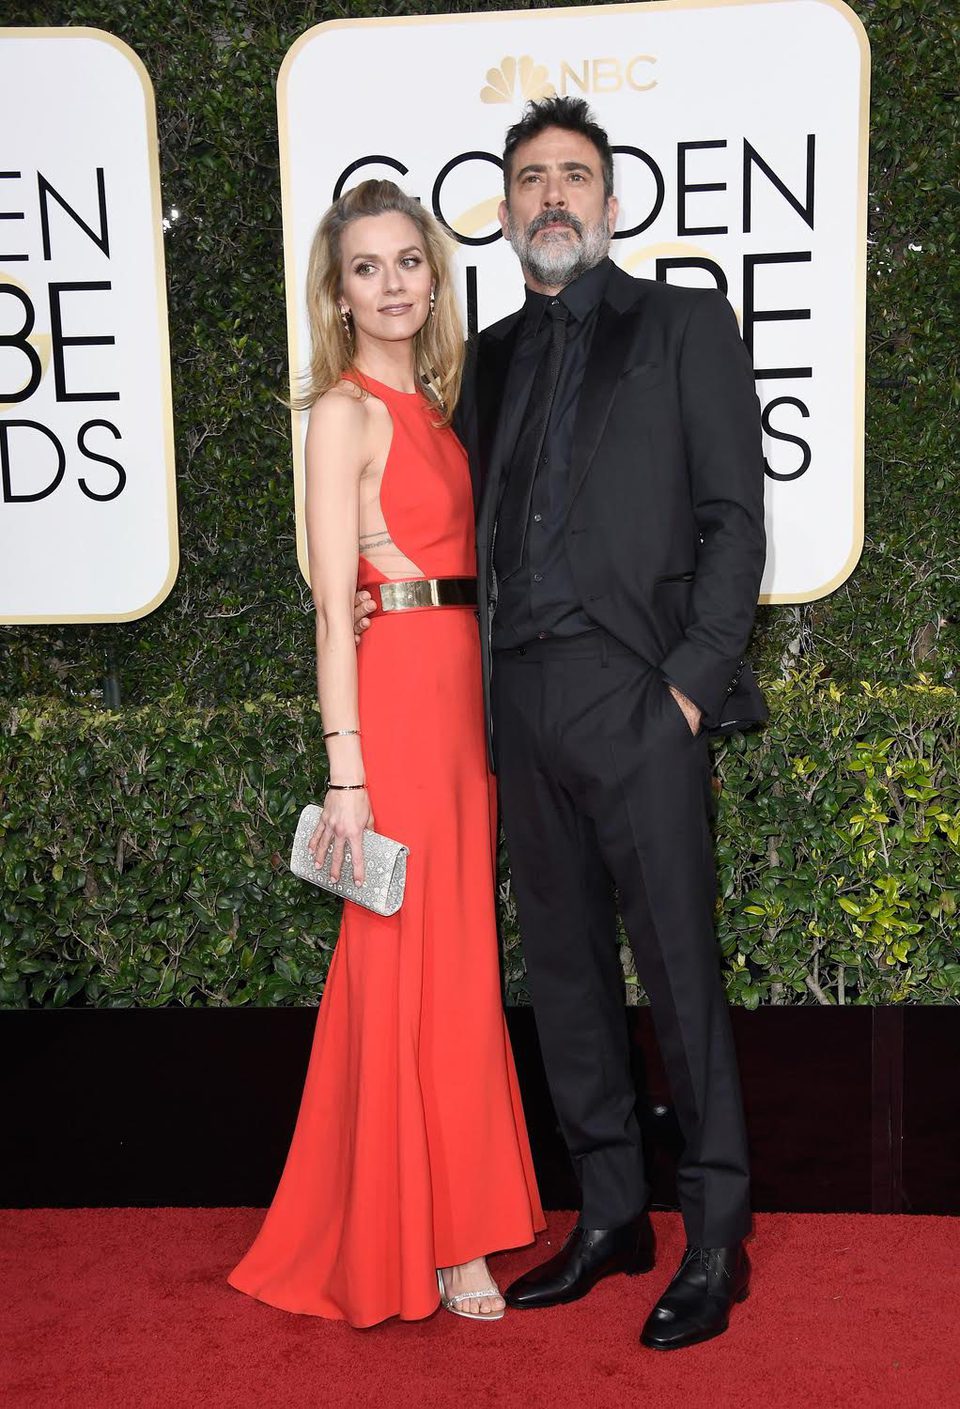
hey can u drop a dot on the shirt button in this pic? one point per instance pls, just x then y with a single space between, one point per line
543 635
538 577
538 518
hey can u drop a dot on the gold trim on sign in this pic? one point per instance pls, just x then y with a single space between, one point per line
291 295
497 17
160 278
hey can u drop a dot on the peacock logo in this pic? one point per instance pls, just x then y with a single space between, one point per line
523 74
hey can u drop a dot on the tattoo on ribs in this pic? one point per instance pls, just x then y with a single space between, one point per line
375 540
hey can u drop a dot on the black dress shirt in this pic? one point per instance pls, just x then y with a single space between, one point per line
541 599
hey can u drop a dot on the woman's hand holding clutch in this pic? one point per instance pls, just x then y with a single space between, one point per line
343 818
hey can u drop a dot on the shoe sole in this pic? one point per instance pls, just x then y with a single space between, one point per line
474 1315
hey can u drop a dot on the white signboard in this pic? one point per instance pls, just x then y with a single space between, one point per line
740 133
88 518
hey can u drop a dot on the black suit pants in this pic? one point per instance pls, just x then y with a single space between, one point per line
606 800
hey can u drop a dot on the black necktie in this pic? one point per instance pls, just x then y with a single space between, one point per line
515 503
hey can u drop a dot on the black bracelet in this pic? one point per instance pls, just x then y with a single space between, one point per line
345 787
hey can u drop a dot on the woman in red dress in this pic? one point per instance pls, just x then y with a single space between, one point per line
410 1160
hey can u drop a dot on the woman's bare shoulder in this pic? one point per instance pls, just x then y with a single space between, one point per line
341 405
339 418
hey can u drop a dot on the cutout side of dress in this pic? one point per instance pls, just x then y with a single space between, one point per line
377 546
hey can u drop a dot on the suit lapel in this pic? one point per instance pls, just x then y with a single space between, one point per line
615 332
493 364
465 417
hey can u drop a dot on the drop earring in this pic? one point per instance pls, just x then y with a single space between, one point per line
433 302
346 322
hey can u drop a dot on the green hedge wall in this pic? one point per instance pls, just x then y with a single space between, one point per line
143 852
143 855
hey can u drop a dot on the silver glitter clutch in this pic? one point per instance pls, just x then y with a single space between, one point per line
385 862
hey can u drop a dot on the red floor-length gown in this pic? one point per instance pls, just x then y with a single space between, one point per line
410 1150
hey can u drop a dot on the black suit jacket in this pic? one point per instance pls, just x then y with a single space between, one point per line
664 524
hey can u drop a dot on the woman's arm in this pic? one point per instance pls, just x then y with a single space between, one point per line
337 449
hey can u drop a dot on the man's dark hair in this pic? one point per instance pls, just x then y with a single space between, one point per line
573 115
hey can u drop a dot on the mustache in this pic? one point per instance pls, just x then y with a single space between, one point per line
553 217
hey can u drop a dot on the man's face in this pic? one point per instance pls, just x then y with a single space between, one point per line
556 216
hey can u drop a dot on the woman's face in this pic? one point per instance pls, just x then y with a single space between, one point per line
385 276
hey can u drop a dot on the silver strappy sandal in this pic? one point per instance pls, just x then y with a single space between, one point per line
449 1303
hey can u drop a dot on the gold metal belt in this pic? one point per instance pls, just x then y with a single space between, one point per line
426 592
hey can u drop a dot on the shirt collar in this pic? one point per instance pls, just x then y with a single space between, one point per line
581 297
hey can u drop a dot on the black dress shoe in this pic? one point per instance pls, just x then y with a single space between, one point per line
588 1255
696 1305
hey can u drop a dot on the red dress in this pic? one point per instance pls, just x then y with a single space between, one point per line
410 1150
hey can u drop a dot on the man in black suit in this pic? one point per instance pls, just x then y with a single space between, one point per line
614 437
620 541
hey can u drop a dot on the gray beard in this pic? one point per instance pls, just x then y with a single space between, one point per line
556 261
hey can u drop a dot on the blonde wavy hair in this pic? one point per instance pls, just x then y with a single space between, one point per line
438 346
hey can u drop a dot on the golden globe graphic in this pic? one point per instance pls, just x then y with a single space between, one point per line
733 171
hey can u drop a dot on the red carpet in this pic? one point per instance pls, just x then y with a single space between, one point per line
129 1308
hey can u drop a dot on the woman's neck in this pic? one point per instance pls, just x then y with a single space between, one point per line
388 362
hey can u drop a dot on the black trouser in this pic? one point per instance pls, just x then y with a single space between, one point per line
606 798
